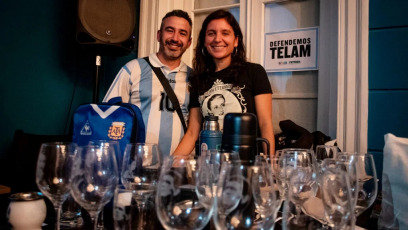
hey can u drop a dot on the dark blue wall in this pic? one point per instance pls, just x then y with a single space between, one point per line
388 73
45 75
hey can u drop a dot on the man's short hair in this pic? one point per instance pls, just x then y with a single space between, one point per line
177 13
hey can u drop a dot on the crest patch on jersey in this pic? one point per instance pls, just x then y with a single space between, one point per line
116 130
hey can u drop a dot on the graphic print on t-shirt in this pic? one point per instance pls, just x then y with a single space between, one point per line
221 99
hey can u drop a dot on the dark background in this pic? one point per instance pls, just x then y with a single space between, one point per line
45 73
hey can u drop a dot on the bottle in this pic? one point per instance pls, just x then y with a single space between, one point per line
210 135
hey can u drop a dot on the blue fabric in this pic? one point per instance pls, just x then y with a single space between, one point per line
122 122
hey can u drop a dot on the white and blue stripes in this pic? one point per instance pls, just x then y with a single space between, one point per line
136 83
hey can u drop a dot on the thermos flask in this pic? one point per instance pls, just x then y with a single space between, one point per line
210 135
240 136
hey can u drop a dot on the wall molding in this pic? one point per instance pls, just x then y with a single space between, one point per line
327 89
352 104
148 27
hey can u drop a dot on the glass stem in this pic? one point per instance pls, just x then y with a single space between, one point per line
297 217
140 224
57 216
101 224
353 221
94 219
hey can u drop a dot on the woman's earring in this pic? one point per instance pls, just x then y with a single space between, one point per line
203 52
235 51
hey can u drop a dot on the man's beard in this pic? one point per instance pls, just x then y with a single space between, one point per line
171 54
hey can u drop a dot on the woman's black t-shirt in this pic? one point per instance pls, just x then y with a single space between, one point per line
217 95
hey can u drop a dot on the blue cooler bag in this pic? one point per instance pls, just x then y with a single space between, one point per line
111 121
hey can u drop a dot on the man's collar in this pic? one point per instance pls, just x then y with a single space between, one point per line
157 63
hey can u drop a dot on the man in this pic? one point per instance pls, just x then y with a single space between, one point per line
136 83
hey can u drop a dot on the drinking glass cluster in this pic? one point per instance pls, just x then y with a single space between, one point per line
90 173
326 185
217 187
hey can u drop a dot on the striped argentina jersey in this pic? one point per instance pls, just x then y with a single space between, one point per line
137 83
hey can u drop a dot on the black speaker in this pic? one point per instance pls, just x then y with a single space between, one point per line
108 27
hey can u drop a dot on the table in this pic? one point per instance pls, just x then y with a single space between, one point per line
4 202
4 189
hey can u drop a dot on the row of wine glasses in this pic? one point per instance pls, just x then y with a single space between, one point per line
330 186
185 193
90 173
217 185
249 196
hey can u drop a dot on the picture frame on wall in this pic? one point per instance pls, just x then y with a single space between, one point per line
292 50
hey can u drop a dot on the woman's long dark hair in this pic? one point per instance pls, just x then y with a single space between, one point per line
203 63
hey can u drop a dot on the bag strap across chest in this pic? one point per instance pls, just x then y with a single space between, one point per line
170 92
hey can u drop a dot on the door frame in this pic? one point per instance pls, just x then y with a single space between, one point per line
352 103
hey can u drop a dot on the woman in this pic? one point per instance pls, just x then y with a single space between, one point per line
220 67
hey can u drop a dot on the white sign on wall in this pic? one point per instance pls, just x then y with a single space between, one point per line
293 50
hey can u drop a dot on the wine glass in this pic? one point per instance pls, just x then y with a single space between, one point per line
278 174
266 194
126 212
301 178
209 165
290 159
178 203
118 155
209 172
289 216
116 148
214 158
123 208
236 201
94 178
367 183
71 214
140 172
348 167
53 173
325 151
279 179
337 197
347 164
